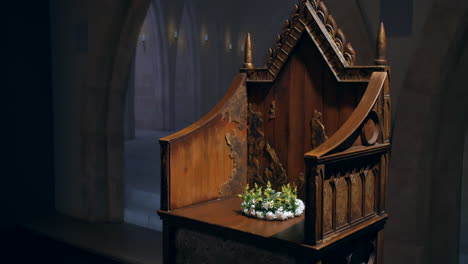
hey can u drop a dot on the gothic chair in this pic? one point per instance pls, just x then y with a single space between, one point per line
310 117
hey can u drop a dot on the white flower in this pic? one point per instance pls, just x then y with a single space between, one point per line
280 209
280 215
246 211
288 214
243 204
260 215
298 212
270 216
299 203
300 207
252 212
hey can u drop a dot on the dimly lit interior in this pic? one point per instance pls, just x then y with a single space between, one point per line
98 83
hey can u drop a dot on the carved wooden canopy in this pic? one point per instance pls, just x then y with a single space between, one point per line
312 18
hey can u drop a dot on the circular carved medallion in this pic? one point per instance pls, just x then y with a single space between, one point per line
371 130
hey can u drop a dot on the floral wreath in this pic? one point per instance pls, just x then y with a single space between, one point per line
271 205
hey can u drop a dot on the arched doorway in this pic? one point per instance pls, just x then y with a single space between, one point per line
157 105
147 117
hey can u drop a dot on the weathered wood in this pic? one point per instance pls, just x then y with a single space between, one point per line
207 160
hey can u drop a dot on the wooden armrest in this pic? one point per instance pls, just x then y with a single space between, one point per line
346 175
238 82
356 119
207 159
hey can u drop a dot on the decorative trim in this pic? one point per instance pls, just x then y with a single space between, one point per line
318 135
275 172
235 184
235 112
256 145
272 111
370 130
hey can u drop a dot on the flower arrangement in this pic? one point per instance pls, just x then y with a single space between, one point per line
266 203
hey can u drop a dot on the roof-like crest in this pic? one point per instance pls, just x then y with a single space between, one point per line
312 17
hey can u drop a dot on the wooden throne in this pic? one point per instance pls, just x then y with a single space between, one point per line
310 118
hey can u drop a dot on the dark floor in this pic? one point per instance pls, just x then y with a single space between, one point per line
62 239
26 246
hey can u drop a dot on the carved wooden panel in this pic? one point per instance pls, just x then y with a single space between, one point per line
356 196
349 193
342 202
296 113
328 197
369 192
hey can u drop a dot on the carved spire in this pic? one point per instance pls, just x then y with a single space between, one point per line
381 58
248 53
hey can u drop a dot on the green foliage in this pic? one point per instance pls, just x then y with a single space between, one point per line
268 200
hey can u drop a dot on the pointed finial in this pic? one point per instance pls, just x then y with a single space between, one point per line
248 53
381 58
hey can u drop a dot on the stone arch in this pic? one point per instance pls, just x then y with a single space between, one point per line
110 171
187 64
148 99
118 83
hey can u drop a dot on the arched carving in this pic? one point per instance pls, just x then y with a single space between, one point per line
329 191
369 190
342 201
356 196
318 134
328 198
